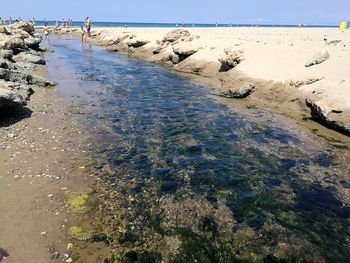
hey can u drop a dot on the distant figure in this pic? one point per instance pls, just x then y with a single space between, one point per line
10 20
63 23
88 25
33 21
46 30
83 34
56 26
1 23
3 254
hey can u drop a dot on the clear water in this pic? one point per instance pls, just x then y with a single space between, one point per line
242 183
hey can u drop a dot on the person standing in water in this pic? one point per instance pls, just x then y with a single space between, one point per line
88 24
46 30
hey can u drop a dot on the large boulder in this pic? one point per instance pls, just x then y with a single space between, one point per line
176 35
29 58
33 42
318 58
25 26
11 42
230 59
14 94
184 49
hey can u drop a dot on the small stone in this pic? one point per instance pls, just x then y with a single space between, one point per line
69 260
55 255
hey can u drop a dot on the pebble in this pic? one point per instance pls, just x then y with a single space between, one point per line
55 255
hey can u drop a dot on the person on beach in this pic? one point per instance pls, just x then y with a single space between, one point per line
56 26
46 30
83 34
33 21
88 24
1 23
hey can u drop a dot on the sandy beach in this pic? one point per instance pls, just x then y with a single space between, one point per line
272 58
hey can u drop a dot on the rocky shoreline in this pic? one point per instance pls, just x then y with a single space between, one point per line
177 49
20 53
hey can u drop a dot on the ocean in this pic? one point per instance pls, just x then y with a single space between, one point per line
137 24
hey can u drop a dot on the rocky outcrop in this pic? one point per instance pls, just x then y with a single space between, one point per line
19 55
182 51
176 35
136 43
24 26
322 114
239 93
318 58
230 59
29 58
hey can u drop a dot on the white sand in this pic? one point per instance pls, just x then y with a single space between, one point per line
276 54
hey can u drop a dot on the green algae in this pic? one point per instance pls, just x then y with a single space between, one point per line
77 233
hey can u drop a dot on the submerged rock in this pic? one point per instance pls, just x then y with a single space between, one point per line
318 58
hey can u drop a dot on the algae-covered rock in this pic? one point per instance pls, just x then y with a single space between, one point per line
79 203
79 234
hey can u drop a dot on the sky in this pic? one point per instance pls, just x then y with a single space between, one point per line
316 12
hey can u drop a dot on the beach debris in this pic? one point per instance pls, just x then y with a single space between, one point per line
239 93
43 233
157 50
230 59
308 81
69 246
322 114
318 58
176 35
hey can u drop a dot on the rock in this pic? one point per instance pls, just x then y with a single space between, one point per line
308 81
174 58
239 93
11 98
184 49
136 43
131 49
176 35
231 59
3 30
6 54
25 26
55 255
321 114
318 58
26 66
29 58
11 42
24 78
6 64
33 42
157 50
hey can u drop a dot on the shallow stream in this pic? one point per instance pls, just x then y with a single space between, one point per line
194 180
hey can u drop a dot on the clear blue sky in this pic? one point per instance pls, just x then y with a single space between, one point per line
189 11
